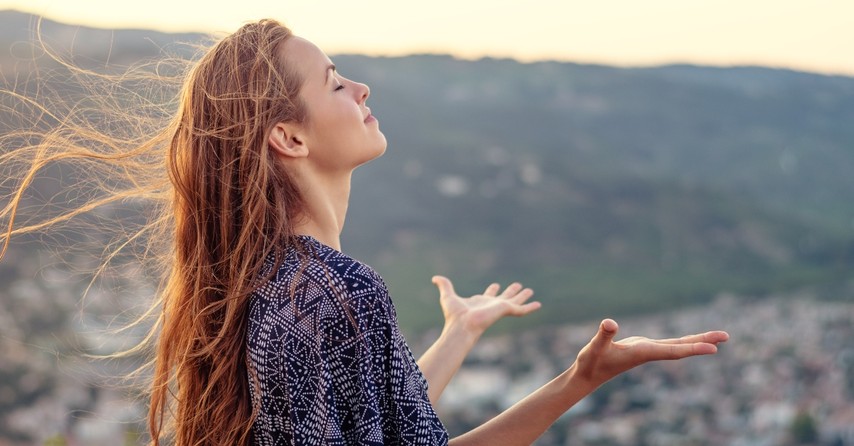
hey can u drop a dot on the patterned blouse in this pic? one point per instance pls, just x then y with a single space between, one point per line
332 365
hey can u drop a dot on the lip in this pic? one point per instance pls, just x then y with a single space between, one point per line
370 117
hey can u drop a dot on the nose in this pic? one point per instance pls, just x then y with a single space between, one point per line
365 91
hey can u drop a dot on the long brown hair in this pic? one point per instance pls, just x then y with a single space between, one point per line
224 205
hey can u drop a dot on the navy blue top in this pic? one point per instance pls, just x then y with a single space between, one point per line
332 365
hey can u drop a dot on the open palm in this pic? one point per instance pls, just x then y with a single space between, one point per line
603 358
479 312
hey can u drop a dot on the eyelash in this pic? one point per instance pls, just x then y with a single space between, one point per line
339 87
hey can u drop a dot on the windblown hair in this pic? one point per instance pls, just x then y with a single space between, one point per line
221 205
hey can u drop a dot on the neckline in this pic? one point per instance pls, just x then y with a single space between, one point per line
311 239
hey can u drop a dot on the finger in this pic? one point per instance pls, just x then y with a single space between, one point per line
711 337
522 296
511 290
607 330
492 290
717 336
446 288
679 351
528 308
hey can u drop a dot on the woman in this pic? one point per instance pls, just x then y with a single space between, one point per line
268 334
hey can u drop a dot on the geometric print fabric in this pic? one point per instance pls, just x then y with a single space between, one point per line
330 363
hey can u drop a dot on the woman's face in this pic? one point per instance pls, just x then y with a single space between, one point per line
340 132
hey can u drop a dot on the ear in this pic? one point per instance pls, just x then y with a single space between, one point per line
286 139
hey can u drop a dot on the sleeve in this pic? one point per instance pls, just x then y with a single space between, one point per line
378 393
412 417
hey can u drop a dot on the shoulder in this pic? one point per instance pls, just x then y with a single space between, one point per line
311 263
326 286
353 276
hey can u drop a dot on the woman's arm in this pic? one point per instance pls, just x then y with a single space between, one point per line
599 361
465 320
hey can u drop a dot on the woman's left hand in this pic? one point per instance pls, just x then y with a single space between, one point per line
477 313
603 358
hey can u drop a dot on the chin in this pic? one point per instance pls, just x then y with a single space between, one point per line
376 155
373 154
381 147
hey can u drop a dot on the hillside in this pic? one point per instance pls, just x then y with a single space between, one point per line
607 190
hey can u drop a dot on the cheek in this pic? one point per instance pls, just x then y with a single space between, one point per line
333 118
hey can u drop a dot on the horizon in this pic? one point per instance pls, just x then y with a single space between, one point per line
778 35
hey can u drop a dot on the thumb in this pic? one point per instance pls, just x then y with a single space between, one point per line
607 330
446 288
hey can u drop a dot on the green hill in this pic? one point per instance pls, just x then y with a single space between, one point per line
607 190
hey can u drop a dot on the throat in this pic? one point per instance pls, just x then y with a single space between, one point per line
326 204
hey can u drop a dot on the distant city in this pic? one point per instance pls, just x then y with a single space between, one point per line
786 377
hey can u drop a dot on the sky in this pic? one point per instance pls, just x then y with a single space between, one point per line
808 35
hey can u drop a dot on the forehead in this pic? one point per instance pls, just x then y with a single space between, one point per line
307 59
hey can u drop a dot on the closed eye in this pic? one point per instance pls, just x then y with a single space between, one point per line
339 87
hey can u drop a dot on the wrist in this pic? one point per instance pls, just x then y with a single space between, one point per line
460 333
579 382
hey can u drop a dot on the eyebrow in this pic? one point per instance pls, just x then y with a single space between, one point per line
330 67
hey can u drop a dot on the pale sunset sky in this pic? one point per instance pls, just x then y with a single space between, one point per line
814 35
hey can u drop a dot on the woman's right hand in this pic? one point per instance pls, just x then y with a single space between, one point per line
603 358
473 315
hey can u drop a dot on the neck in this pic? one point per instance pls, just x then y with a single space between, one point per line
326 197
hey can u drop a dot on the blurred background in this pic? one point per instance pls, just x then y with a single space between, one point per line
679 166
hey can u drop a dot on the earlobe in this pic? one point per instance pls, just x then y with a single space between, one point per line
286 140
